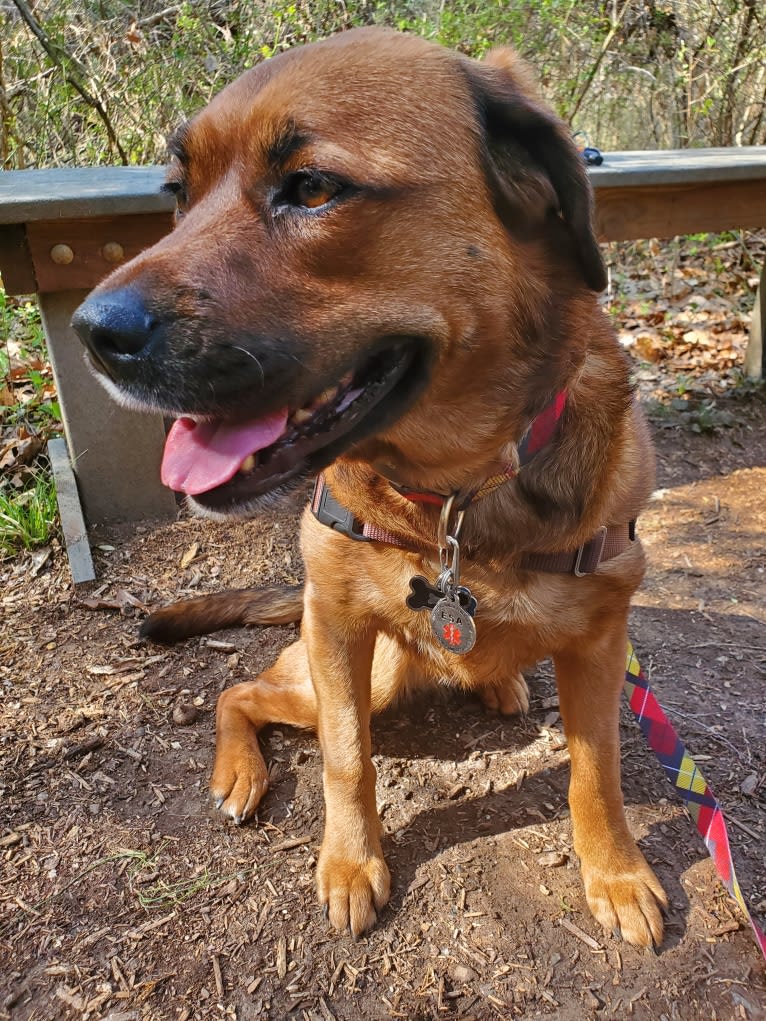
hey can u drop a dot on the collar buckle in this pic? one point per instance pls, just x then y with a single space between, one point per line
589 554
328 511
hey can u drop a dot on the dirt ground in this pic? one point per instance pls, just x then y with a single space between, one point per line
124 897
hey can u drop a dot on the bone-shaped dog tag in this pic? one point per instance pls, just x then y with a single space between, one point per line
452 625
425 597
422 595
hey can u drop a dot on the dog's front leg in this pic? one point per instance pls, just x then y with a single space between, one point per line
353 881
622 891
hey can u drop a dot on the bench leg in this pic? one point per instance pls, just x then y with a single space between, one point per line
755 356
115 453
70 513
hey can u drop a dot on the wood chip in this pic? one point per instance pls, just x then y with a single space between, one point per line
335 976
282 957
738 822
289 844
70 997
94 937
552 859
217 976
417 883
90 745
578 932
749 785
261 922
117 972
140 932
219 646
462 974
327 1014
121 600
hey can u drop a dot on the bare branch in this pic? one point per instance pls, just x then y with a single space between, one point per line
73 71
590 77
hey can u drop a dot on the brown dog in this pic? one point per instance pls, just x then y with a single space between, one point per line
384 267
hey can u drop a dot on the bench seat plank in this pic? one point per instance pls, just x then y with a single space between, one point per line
72 193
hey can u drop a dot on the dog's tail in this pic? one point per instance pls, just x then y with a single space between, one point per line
279 604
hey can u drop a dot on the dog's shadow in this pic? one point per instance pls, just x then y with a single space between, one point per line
501 814
447 726
453 728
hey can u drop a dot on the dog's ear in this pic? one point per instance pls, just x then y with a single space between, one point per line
530 158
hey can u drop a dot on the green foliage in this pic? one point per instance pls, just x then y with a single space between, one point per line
28 518
25 375
28 510
20 321
109 79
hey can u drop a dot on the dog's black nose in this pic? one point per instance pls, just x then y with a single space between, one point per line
115 327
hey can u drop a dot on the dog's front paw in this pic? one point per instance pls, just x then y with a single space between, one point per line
627 902
508 696
240 779
352 892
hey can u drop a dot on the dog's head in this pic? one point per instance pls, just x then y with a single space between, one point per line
375 238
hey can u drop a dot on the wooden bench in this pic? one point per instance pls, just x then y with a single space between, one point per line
62 230
687 191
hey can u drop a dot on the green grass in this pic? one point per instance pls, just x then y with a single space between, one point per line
152 890
160 895
28 508
28 517
163 894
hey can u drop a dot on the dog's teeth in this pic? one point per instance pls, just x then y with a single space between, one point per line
301 415
327 395
349 398
247 465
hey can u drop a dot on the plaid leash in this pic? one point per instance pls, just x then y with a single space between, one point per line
682 772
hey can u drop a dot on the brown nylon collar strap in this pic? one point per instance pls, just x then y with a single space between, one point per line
608 542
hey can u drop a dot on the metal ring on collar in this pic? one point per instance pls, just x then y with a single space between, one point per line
444 532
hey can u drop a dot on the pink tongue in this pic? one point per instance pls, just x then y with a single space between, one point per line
202 455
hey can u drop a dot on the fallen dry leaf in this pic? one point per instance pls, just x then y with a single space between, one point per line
189 555
749 785
19 452
121 600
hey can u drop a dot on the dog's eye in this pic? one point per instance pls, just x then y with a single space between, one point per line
310 190
178 190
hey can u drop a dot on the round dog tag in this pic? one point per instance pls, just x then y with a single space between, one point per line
453 626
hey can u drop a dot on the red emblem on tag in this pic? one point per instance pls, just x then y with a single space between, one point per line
452 634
